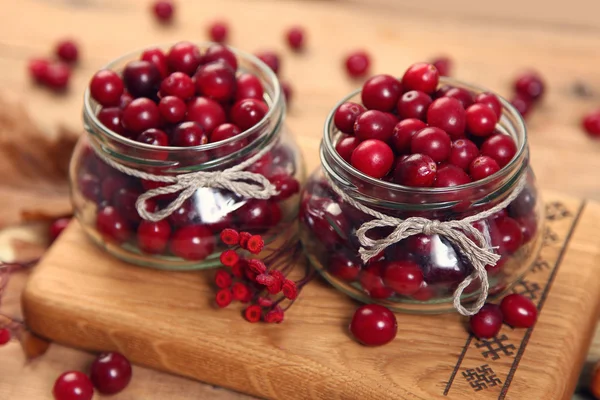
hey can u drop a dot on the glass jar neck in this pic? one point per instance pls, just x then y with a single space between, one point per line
384 195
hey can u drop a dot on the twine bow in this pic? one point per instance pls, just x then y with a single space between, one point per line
470 241
234 179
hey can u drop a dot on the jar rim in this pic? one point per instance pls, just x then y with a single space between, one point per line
329 147
275 103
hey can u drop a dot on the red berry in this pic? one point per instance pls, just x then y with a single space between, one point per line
248 112
140 114
57 76
522 104
253 313
414 104
530 86
482 167
450 175
463 152
481 120
449 115
421 76
373 325
163 10
371 280
490 100
403 133
249 87
259 215
73 385
487 322
112 225
106 87
286 88
141 78
271 59
420 245
345 146
38 69
111 118
110 373
286 185
223 298
216 81
373 157
518 311
295 38
404 277
192 242
346 115
179 85
511 237
218 31
462 95
208 113
358 63
158 58
591 123
501 148
57 227
4 336
152 237
172 109
218 52
381 92
154 137
189 134
373 124
432 142
223 279
443 65
416 170
343 268
224 132
184 57
67 51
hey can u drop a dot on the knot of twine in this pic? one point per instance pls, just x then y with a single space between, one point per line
234 179
468 239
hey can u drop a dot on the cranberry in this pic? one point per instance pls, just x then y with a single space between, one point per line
192 242
57 76
522 104
326 220
443 65
224 132
449 115
158 58
381 92
172 109
73 385
256 215
110 117
490 100
271 59
523 204
218 52
112 225
110 372
345 146
216 81
373 157
179 85
56 228
450 175
106 87
432 142
140 114
444 265
481 120
218 31
249 87
295 38
421 76
463 152
404 277
415 170
184 57
419 245
358 63
38 69
67 51
487 322
343 268
501 148
184 215
373 325
208 113
413 104
286 88
403 133
4 336
152 237
373 124
591 123
529 225
462 95
90 186
286 185
510 234
346 115
530 86
482 167
141 78
426 293
163 10
111 184
247 112
124 201
518 311
154 137
189 134
372 283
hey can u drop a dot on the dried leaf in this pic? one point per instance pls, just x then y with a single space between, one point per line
33 345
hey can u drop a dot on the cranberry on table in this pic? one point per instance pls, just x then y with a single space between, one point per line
358 63
443 64
501 148
343 267
403 133
218 31
432 142
522 104
403 277
218 52
110 117
106 87
381 92
163 10
591 124
73 385
189 134
248 112
248 87
67 51
421 76
157 57
57 76
481 120
57 227
346 115
153 237
462 153
110 373
530 86
416 170
184 57
192 242
511 236
373 158
413 104
371 281
271 59
346 145
373 124
373 325
518 311
4 336
154 137
462 95
490 100
450 175
482 167
295 38
38 68
113 225
216 81
172 109
487 322
207 112
449 115
140 114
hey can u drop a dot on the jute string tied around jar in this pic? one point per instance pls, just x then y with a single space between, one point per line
234 179
461 233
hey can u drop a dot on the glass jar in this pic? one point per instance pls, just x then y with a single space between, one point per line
104 198
329 224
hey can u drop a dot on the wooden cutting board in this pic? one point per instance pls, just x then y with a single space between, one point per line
81 297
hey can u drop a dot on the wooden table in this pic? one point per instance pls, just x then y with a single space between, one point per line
489 47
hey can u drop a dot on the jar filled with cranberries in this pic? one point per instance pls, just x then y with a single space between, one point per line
183 142
413 172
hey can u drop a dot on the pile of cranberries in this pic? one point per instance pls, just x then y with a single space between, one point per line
55 75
